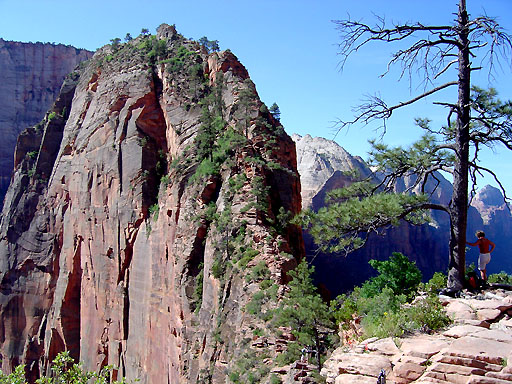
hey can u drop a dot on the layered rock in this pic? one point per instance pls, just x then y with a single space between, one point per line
30 80
477 348
140 227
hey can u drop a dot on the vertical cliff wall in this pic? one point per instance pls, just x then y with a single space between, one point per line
147 217
30 78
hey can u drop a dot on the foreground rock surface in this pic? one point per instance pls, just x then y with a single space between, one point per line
477 348
123 244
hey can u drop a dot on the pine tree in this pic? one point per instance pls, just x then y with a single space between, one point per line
308 316
477 119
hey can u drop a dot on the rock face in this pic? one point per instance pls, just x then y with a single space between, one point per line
30 80
323 166
317 160
477 348
142 216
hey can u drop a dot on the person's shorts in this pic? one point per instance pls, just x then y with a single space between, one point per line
483 260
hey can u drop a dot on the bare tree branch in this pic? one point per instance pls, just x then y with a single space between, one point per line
479 169
375 108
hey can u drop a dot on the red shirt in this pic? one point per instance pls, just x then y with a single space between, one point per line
483 245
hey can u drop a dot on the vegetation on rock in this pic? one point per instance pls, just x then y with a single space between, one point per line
383 304
64 370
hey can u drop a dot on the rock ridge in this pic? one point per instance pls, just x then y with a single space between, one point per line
146 218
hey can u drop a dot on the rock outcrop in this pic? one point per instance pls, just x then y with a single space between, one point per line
144 215
30 80
477 348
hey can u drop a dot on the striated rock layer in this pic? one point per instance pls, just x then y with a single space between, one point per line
477 348
144 213
30 78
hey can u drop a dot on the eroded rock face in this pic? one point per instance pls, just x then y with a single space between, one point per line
30 78
123 245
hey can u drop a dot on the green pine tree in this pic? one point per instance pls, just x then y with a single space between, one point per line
308 316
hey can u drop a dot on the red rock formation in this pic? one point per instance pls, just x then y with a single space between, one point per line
30 80
475 349
117 248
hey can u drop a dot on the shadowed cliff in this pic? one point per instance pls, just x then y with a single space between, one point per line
30 78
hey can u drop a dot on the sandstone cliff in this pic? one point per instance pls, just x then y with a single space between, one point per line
145 211
30 79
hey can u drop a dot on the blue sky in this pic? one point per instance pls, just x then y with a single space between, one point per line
289 48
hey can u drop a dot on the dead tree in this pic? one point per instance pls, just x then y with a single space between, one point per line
475 120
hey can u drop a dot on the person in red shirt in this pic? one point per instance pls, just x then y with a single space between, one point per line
486 246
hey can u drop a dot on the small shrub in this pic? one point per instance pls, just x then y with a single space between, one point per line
32 154
500 278
254 306
153 211
165 180
436 283
267 283
218 268
16 377
259 272
52 116
247 256
398 273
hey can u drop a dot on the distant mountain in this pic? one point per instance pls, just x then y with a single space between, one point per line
322 165
317 160
30 79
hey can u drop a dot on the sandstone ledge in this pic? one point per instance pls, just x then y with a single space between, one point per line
476 348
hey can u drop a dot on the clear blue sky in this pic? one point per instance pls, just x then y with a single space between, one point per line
289 48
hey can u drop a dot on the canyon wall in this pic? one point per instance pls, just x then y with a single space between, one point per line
143 217
31 75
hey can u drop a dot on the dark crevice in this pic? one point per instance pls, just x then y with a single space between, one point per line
152 126
195 260
70 310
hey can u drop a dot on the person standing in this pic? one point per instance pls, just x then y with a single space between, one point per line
485 246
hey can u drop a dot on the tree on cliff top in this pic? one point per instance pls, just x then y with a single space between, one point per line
477 119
